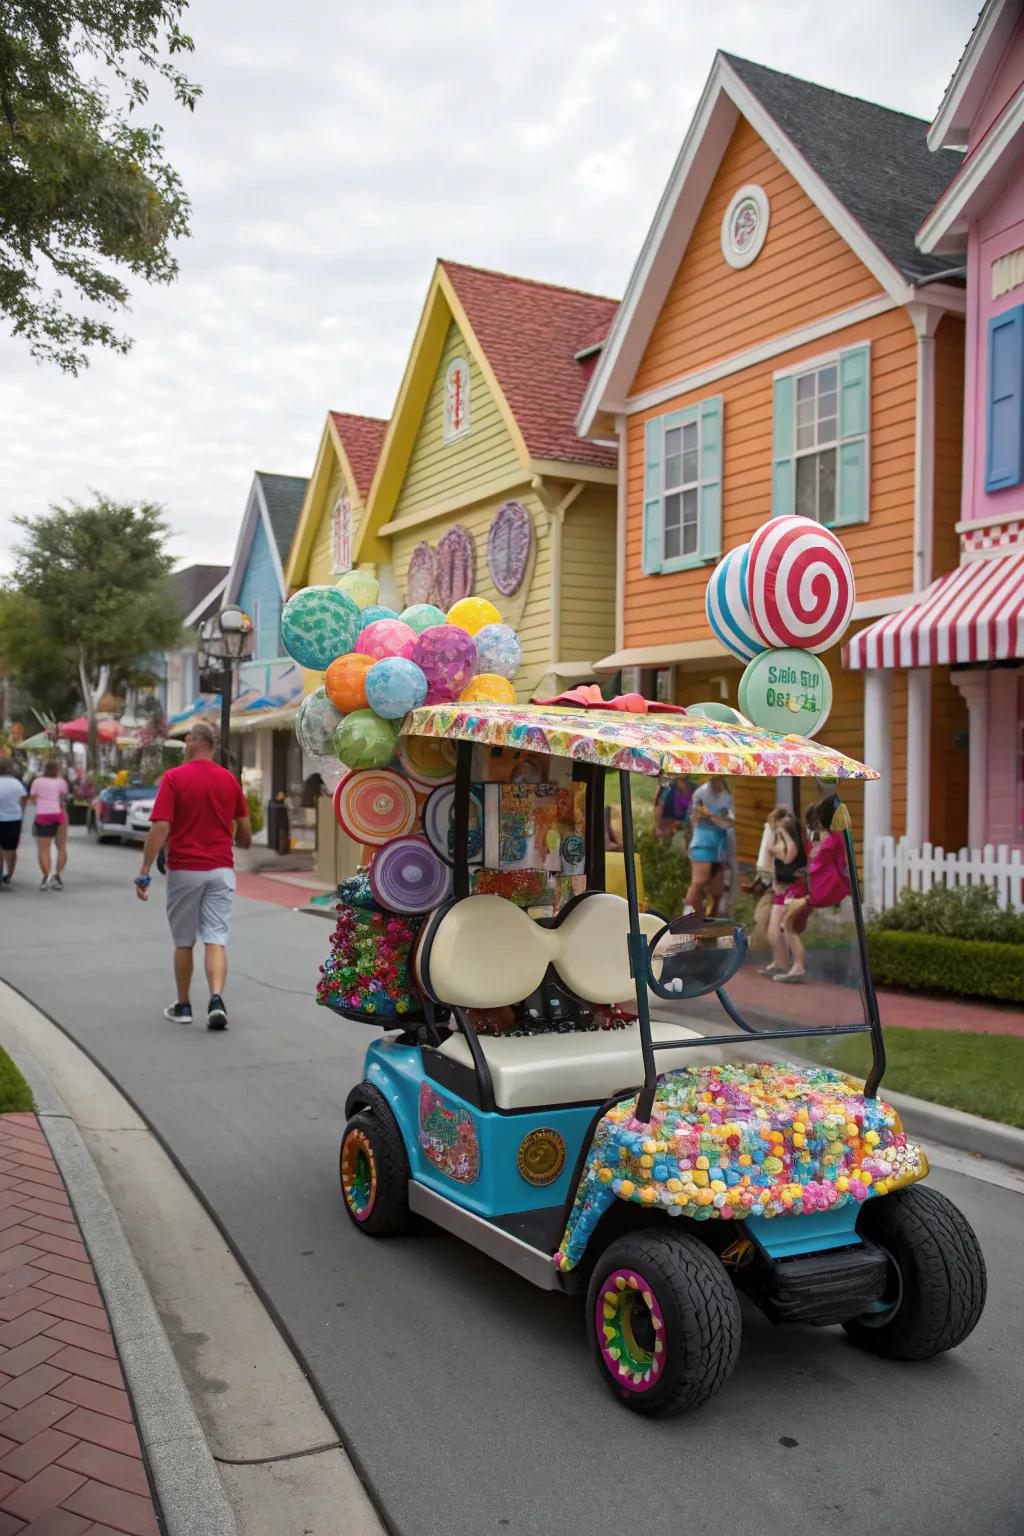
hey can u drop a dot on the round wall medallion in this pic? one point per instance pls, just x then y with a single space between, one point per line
508 546
541 1156
745 226
454 567
419 579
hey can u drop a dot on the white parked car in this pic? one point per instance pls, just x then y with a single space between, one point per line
136 825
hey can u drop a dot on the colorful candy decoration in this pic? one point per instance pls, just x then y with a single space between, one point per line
728 607
447 1134
360 586
447 655
364 740
318 624
394 686
472 613
488 688
366 974
800 588
421 616
387 637
375 805
407 876
345 681
498 650
788 691
424 762
316 722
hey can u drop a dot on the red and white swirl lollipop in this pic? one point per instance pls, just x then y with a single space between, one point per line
799 584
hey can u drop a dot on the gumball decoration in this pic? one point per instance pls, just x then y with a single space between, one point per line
472 613
360 586
364 740
318 624
345 681
447 655
394 686
377 611
488 688
799 582
498 650
788 691
316 722
421 616
387 637
728 608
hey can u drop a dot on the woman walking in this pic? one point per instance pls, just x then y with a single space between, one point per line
48 793
788 853
12 804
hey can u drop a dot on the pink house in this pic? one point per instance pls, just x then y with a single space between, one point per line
972 618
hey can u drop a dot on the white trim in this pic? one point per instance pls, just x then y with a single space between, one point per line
881 607
950 125
967 525
658 656
925 321
762 353
255 506
621 510
942 296
946 224
585 352
201 607
751 193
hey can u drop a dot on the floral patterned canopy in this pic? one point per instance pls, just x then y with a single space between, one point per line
652 744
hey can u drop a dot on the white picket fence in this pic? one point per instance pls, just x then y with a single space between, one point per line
892 864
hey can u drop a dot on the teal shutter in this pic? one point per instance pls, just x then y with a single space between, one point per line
709 533
653 542
852 469
783 439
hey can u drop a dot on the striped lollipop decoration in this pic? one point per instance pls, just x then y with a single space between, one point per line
799 584
726 605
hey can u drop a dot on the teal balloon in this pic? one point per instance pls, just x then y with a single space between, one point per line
498 650
394 686
377 611
421 616
318 624
364 740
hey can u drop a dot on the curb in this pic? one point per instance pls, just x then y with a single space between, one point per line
191 1495
955 1128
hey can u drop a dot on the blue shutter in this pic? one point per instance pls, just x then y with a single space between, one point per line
709 532
783 439
1004 407
854 415
653 542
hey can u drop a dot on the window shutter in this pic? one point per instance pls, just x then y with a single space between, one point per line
652 497
854 412
709 533
783 438
1004 406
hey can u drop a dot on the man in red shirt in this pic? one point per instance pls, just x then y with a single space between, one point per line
198 810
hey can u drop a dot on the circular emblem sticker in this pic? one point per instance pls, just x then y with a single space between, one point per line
541 1156
788 691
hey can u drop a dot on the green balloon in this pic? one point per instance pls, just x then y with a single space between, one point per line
364 740
715 710
421 616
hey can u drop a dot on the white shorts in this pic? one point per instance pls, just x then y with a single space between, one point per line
199 905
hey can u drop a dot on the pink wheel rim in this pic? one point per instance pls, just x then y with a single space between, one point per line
630 1331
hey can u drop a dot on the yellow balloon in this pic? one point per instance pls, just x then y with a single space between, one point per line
488 688
472 613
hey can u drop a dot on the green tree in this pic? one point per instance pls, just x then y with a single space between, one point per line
90 588
84 187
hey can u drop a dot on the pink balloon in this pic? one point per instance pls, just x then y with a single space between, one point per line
386 637
447 656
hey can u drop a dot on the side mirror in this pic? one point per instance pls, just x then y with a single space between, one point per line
693 956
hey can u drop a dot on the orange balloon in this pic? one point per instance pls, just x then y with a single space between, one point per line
488 688
345 681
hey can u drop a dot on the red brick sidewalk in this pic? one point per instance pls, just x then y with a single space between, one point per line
70 1460
816 1003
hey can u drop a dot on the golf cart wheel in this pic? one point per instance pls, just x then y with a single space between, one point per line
375 1172
938 1282
664 1321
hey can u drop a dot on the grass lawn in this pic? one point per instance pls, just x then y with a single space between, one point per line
14 1091
982 1074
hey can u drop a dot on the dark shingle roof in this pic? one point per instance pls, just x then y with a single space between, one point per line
194 582
362 438
283 495
876 161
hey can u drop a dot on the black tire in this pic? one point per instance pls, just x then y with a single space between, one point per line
699 1326
938 1273
372 1148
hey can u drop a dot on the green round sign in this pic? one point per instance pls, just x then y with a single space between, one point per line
788 691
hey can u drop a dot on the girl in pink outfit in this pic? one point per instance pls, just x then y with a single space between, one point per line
48 793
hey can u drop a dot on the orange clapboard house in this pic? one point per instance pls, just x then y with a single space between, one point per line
783 347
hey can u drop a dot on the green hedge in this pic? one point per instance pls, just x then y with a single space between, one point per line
966 967
955 912
666 873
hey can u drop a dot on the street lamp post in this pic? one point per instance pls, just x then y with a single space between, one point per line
225 639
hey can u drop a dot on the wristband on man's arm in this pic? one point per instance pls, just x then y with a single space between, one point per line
144 881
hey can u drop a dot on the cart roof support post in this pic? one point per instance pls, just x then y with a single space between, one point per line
637 953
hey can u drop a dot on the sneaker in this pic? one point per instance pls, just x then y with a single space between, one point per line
56 883
44 884
5 878
216 1014
179 1013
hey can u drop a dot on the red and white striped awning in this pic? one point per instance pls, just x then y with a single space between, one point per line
973 614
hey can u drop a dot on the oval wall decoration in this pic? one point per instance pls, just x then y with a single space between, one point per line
508 546
454 567
419 579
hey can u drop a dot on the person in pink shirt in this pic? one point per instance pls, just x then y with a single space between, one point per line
48 793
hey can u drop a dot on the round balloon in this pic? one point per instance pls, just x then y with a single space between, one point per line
488 688
375 805
318 624
406 875
799 584
426 760
447 655
345 681
498 650
316 722
387 637
727 608
360 586
421 616
364 740
472 613
377 611
394 686
788 691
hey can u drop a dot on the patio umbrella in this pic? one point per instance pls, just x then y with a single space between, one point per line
78 730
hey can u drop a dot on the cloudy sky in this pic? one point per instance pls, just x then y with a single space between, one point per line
339 147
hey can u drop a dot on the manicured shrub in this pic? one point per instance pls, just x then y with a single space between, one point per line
255 804
965 967
960 912
666 873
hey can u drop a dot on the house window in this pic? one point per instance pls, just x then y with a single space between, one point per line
456 399
341 536
683 488
682 491
817 439
820 430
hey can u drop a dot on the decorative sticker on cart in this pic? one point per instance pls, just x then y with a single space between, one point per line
448 1137
736 1142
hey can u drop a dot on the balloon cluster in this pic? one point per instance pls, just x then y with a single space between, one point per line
776 603
379 664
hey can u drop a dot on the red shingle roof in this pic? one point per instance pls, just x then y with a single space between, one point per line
531 333
362 438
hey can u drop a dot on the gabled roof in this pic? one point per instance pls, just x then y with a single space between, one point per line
197 589
282 497
354 443
972 77
362 437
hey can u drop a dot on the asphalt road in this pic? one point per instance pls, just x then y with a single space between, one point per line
466 1396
